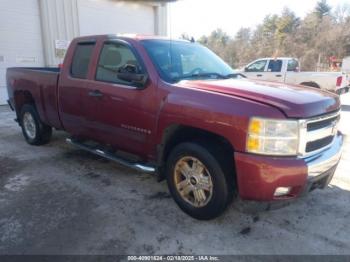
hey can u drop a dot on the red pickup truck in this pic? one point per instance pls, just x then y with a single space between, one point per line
175 109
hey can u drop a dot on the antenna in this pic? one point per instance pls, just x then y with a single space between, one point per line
170 36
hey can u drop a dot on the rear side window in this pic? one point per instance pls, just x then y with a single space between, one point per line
293 65
81 60
275 66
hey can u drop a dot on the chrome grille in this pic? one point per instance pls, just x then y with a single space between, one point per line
319 143
317 133
322 123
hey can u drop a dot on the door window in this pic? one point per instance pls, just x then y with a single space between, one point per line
116 58
258 66
81 60
275 66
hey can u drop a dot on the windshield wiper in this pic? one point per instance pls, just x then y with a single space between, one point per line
210 75
199 75
235 75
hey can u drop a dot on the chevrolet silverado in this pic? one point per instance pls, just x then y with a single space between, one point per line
175 109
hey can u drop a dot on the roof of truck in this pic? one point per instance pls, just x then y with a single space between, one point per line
277 58
137 37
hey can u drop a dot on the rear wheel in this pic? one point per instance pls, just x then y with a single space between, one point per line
199 184
34 131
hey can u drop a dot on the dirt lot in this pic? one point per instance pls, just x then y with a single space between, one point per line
58 200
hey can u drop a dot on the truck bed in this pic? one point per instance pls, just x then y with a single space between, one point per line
325 80
41 83
42 69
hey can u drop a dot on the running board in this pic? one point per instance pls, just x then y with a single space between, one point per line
112 157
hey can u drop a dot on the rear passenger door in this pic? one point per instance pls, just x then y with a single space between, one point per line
72 84
274 71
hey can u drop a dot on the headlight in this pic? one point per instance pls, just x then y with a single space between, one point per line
273 137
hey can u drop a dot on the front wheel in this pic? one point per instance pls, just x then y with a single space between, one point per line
34 131
198 182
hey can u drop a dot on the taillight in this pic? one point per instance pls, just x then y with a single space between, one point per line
339 81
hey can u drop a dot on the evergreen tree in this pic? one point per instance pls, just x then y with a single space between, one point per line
322 8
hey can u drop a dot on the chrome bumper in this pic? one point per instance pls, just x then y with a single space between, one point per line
325 160
343 90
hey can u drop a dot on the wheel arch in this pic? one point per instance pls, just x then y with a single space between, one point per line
176 134
310 84
21 98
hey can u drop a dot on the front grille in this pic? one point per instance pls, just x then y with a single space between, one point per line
317 144
322 124
318 133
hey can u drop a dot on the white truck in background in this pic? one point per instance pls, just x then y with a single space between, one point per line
346 65
287 70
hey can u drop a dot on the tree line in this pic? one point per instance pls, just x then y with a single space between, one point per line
321 34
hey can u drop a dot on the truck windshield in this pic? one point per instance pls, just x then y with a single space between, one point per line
179 60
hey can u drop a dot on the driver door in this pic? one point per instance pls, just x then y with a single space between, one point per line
256 70
122 114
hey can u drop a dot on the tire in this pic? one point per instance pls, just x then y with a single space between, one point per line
214 180
34 131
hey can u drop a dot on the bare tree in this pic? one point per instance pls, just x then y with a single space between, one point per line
320 35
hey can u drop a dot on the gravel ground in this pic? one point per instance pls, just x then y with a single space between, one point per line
56 199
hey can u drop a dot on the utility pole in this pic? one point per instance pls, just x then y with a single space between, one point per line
318 63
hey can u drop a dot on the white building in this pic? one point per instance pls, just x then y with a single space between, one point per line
32 30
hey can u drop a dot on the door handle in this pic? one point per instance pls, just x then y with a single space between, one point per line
95 93
259 75
278 75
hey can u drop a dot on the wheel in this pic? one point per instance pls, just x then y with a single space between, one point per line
199 184
34 131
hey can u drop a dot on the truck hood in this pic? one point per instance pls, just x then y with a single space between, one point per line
295 101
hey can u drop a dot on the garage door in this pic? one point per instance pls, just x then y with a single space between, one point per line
20 37
111 17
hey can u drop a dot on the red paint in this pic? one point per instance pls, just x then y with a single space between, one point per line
221 107
258 177
339 81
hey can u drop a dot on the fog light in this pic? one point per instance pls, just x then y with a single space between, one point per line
282 191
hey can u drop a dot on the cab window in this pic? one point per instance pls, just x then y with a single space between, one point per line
258 66
275 66
293 65
116 58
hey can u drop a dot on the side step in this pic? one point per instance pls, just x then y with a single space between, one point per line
136 166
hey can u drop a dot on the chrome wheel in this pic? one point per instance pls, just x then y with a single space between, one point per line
29 125
193 181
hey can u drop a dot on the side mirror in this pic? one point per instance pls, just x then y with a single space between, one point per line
137 79
130 73
246 69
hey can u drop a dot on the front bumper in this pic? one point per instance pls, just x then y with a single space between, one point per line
258 177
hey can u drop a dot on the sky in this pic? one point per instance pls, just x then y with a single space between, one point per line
201 17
